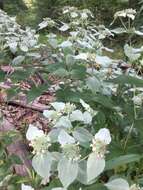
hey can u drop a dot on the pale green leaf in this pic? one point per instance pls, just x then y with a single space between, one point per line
42 164
67 171
118 184
95 166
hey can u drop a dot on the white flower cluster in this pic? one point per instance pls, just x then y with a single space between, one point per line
130 13
47 22
71 151
65 113
14 37
38 140
138 99
100 141
75 13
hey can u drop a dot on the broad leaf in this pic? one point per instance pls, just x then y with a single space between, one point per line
64 138
125 79
118 184
42 164
121 160
67 171
95 166
82 135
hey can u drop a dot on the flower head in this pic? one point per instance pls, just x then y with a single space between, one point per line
100 141
130 13
39 141
71 151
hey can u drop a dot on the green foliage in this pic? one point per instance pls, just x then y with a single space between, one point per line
98 104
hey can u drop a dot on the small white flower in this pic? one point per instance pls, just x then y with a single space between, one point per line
137 100
74 15
26 187
104 136
84 15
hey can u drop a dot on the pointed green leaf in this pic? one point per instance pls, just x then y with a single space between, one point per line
95 166
42 164
67 171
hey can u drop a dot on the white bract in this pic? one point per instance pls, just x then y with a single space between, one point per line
103 135
46 22
38 140
33 133
121 184
26 187
100 141
130 13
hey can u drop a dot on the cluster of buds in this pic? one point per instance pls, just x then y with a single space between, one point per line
69 108
100 142
71 151
40 145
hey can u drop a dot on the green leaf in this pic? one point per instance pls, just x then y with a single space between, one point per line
95 166
132 53
53 67
96 186
93 84
61 72
82 174
67 95
64 138
125 79
42 164
78 72
17 60
21 74
12 92
63 122
67 171
121 160
2 76
35 92
104 101
82 135
118 184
